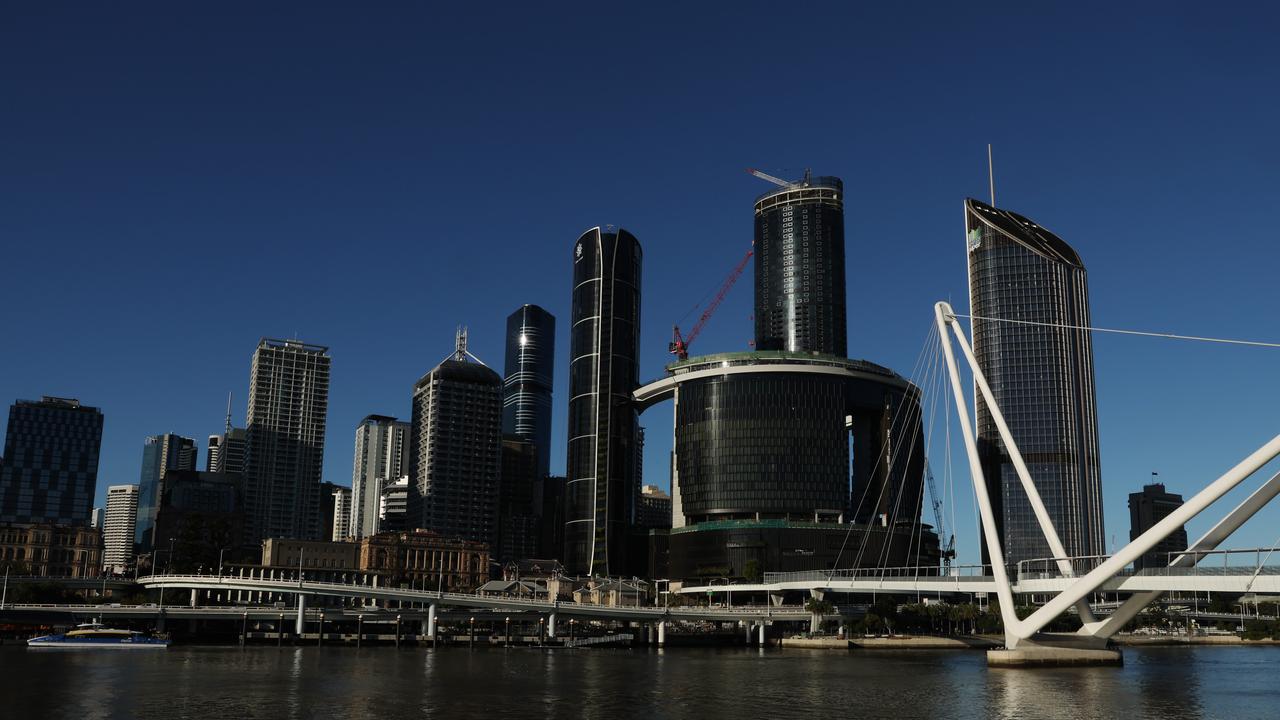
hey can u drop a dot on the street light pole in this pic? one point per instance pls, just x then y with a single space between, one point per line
169 563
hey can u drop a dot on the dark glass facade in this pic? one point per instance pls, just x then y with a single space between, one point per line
770 444
161 454
530 367
1042 379
50 469
746 549
602 484
800 285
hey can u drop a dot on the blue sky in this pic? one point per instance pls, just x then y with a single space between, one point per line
180 180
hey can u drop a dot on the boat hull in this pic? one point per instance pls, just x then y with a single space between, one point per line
45 643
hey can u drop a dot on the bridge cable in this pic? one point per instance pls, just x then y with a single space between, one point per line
1142 333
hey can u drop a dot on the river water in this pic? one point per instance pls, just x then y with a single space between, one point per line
737 683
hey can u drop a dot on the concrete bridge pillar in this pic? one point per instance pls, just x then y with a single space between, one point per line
662 633
747 625
815 622
431 622
775 599
551 626
761 634
302 611
193 597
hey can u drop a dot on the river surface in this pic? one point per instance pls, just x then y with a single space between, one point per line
739 684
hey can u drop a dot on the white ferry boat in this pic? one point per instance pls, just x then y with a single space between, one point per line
95 635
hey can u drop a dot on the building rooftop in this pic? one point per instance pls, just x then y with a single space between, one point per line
1024 231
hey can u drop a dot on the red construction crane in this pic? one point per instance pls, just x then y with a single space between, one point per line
679 344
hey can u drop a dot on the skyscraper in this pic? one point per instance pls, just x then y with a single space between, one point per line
340 523
800 288
526 395
118 530
288 405
455 448
1041 373
160 454
226 452
381 458
602 489
50 469
1147 508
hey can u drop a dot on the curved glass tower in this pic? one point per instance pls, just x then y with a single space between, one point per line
1042 378
526 395
799 244
604 340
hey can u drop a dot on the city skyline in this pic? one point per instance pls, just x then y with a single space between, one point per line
1173 195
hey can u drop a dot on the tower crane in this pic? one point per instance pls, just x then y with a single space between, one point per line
948 548
779 181
679 345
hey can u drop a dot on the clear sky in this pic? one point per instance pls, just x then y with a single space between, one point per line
178 180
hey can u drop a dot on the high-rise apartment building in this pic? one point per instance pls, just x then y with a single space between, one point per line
341 524
50 469
160 455
381 458
285 429
455 449
602 487
226 452
393 507
1040 368
118 530
530 368
1147 508
799 266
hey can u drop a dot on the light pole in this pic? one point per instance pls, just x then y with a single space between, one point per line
220 551
4 594
168 566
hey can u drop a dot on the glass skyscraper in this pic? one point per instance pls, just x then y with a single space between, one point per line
530 367
799 246
1042 378
160 454
602 486
50 469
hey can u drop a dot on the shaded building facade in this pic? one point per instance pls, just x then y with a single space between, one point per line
202 515
1041 373
48 550
799 268
285 433
455 449
604 339
517 514
1147 508
50 469
527 380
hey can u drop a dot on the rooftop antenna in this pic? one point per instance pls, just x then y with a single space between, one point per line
229 414
460 352
991 175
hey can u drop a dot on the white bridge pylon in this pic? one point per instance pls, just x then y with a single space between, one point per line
1016 630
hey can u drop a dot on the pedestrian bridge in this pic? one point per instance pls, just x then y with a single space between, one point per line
310 588
1225 578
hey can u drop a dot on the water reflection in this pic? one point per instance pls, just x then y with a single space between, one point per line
383 683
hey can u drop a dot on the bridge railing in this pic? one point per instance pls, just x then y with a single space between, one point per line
1234 562
931 573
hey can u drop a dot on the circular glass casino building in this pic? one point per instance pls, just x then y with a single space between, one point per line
776 453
